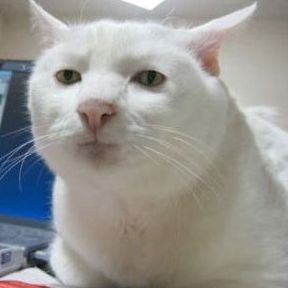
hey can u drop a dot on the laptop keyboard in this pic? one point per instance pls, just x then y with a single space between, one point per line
24 236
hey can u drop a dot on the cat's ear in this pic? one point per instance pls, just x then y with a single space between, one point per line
205 40
47 27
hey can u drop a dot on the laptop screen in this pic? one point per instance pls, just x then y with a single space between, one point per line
25 181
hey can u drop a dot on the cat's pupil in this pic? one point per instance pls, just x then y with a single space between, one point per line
68 74
151 76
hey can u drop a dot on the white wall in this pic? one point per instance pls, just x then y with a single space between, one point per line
254 61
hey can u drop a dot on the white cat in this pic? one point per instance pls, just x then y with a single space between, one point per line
161 179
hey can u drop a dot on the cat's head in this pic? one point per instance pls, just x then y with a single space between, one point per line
109 92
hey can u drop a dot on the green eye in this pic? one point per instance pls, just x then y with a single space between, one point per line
149 78
68 76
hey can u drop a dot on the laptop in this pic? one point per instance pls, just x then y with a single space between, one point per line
25 181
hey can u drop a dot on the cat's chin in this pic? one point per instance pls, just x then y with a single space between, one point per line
99 151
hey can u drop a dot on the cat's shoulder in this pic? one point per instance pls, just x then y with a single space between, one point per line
271 140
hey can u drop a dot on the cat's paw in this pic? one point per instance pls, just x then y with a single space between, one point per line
70 269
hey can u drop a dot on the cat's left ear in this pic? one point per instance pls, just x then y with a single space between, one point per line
205 40
48 28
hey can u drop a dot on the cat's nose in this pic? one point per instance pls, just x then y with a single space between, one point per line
95 114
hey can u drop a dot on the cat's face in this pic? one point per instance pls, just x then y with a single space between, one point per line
112 60
107 92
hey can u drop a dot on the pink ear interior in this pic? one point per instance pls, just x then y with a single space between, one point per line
206 46
45 25
206 40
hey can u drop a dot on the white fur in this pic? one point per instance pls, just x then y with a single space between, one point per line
199 205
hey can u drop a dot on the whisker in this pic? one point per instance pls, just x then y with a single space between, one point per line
15 150
168 16
10 154
169 146
37 160
186 177
173 148
3 172
22 130
180 133
30 152
8 168
82 9
205 156
181 165
39 176
12 164
27 154
18 148
146 154
196 142
9 163
18 131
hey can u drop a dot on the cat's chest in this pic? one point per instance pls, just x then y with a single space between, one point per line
130 243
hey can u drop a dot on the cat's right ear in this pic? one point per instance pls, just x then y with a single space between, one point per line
48 28
205 40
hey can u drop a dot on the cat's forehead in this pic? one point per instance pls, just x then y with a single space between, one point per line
109 41
108 35
108 30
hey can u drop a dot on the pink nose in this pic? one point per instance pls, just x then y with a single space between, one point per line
95 114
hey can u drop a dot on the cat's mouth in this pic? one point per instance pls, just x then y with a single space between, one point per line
98 149
95 144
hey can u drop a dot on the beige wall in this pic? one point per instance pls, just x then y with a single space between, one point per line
254 61
17 41
0 27
255 65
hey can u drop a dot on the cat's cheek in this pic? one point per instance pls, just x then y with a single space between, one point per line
59 157
144 102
